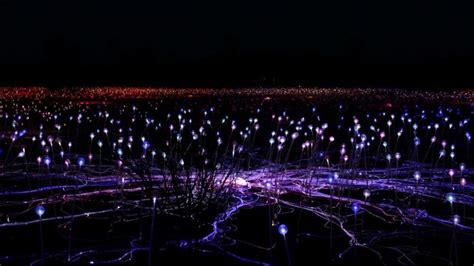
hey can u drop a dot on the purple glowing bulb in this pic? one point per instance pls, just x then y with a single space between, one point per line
282 229
47 160
268 184
451 172
294 135
397 156
456 219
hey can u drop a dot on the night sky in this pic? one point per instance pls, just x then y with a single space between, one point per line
321 41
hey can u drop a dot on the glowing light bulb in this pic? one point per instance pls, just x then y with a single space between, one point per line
463 181
462 166
397 156
451 172
366 193
294 135
450 198
417 141
39 210
417 175
47 160
146 145
268 184
80 161
330 179
282 229
443 143
99 143
442 153
456 219
355 207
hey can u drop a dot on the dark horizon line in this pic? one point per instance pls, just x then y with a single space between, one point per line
240 75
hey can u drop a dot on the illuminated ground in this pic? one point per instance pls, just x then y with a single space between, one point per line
356 176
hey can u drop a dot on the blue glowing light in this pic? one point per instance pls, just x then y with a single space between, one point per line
282 229
355 207
450 197
146 145
39 210
47 160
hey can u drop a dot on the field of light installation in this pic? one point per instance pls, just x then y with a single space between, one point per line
295 176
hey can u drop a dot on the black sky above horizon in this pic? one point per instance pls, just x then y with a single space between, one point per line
237 34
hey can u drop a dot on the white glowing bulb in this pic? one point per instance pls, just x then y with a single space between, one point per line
417 175
294 135
366 193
